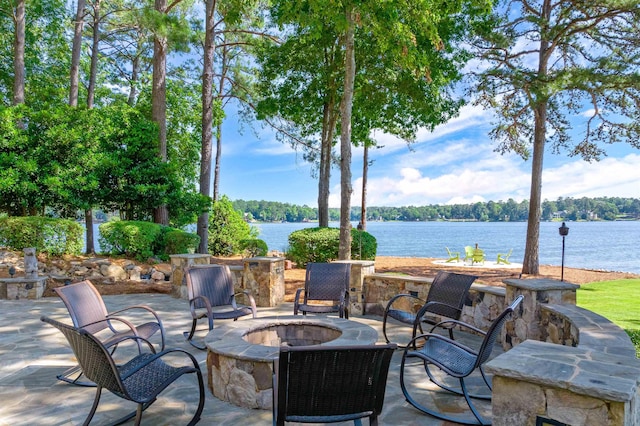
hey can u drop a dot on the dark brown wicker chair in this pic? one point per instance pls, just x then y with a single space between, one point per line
211 295
324 282
88 311
446 298
140 379
456 360
325 384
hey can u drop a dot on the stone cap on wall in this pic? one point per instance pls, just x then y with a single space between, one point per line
579 370
595 331
540 284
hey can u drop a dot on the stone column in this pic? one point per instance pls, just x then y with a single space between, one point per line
180 262
264 278
525 322
359 268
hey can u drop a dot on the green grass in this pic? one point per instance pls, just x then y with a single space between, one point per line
618 301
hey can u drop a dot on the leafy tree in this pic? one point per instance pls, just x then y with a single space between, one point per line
227 229
548 61
403 57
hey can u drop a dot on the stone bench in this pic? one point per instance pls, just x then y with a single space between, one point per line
585 372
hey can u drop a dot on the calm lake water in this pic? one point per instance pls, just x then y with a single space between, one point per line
611 246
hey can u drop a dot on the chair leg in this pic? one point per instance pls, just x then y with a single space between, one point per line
479 420
94 407
196 417
66 377
189 334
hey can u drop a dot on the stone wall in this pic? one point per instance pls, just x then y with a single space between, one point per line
483 305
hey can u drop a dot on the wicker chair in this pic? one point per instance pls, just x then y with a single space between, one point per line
88 311
446 297
324 282
328 384
456 360
211 295
140 379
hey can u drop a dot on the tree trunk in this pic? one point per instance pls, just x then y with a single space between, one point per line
159 102
94 54
344 251
207 124
363 203
75 54
135 66
324 179
216 170
18 54
530 264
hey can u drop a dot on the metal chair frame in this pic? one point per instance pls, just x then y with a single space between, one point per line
88 310
139 380
446 298
329 384
456 360
324 282
212 296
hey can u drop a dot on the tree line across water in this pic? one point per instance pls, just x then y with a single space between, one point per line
602 208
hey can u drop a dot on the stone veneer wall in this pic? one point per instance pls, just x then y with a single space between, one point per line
484 304
565 364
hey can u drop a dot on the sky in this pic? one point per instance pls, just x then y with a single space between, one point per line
454 164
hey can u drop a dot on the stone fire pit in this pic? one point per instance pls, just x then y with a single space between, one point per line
240 354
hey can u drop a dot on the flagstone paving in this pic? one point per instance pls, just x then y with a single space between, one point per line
33 353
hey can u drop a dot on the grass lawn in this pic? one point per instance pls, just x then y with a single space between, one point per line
618 301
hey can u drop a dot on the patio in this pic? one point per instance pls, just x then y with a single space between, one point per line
32 353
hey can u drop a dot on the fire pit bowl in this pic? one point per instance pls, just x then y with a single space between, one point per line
240 354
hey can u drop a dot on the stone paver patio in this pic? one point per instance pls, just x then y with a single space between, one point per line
33 353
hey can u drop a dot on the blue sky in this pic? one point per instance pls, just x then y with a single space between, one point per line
454 164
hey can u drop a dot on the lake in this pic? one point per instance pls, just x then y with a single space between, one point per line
610 246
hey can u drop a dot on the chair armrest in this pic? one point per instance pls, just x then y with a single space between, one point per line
402 296
203 299
143 307
296 300
131 327
110 318
249 296
453 323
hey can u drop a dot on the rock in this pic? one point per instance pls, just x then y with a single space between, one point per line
113 271
158 276
165 268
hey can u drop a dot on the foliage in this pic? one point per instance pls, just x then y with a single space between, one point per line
142 240
227 229
132 238
601 208
614 300
322 244
177 241
70 159
253 247
47 235
548 66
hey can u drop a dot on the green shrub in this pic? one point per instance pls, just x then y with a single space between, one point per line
227 228
323 244
178 241
142 240
133 238
253 247
47 235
